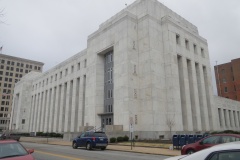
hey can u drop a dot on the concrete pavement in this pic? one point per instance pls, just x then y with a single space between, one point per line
116 147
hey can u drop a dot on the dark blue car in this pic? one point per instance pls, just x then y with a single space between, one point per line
91 140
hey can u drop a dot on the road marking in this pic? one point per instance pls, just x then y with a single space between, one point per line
58 155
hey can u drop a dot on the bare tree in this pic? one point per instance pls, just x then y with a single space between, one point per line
170 121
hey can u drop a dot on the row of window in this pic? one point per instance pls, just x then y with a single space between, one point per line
8 79
7 91
5 103
3 115
11 74
20 64
16 69
4 109
226 89
60 75
6 96
4 121
195 48
6 85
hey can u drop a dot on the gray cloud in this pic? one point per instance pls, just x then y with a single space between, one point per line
51 31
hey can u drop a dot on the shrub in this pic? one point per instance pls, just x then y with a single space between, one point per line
113 140
119 139
39 133
125 138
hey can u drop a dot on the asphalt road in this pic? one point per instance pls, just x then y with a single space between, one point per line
55 152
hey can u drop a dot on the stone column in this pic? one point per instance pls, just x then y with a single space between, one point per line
75 103
38 111
62 110
68 108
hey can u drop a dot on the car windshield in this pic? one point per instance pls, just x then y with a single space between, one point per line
11 150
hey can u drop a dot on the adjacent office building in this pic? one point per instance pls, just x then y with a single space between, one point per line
146 70
12 69
228 79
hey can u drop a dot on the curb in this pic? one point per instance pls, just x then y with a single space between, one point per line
107 148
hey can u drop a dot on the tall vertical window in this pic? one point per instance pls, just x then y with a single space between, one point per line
79 66
66 71
225 89
186 44
195 48
110 76
60 74
223 71
85 63
72 69
178 39
202 53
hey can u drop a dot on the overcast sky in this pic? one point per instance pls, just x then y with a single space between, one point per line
51 31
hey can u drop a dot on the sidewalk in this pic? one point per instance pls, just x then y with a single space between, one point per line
115 147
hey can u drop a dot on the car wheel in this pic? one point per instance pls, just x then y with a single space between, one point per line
74 145
88 146
103 148
190 151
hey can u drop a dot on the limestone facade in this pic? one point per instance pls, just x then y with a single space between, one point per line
161 80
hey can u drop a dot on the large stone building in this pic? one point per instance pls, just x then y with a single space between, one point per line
228 79
146 66
12 69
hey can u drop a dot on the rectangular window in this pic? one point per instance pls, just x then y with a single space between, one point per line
72 69
60 74
23 121
195 48
224 80
186 44
22 64
223 71
18 64
225 89
66 72
202 53
55 77
79 66
178 39
85 63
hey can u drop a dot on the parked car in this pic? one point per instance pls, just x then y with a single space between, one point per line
91 140
226 151
9 136
209 142
13 150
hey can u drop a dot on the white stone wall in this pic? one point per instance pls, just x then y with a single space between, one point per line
157 81
227 114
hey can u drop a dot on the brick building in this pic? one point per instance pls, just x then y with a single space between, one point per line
12 69
228 79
